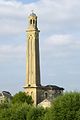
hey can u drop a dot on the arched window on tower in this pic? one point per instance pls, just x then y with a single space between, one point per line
33 21
30 21
46 95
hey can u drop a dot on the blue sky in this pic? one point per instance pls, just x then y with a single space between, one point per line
27 1
59 24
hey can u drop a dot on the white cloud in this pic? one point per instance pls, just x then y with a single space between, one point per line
62 40
5 49
56 16
12 15
59 22
60 46
59 40
12 27
7 52
11 8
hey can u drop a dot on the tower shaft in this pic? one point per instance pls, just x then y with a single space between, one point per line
33 65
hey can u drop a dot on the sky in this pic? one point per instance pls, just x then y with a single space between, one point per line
59 24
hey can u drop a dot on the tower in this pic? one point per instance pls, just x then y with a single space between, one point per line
40 94
32 85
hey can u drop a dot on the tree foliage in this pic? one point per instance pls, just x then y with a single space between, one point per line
36 113
66 107
21 97
15 112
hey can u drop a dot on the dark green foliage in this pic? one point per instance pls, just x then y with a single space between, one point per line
48 114
78 115
21 97
4 106
19 112
15 112
17 109
36 113
66 107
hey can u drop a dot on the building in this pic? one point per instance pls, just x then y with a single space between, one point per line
33 85
4 95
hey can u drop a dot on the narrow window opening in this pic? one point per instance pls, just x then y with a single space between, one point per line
46 95
33 21
30 21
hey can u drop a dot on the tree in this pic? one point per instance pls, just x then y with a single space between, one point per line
36 113
66 107
21 97
19 111
15 112
48 114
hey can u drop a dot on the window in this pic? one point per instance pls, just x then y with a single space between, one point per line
33 21
46 95
30 21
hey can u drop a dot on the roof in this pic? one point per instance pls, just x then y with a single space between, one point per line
33 14
6 94
45 103
54 87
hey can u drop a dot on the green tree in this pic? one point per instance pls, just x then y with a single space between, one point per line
48 114
19 111
36 113
15 112
21 97
66 107
78 115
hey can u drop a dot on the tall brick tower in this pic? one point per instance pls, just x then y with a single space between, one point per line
32 85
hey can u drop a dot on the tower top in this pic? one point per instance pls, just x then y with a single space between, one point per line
32 21
33 14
